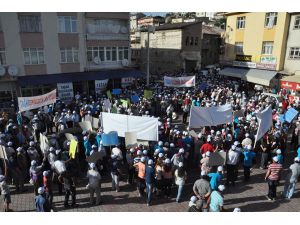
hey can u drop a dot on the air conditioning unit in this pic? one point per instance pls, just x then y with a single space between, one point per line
97 60
2 70
13 70
125 62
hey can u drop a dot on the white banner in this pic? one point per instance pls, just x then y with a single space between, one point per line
264 119
65 91
188 81
146 128
100 85
210 116
28 103
127 81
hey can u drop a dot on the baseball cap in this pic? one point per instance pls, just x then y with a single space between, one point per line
275 159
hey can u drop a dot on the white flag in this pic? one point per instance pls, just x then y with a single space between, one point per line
264 119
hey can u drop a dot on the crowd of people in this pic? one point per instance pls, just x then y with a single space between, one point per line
160 166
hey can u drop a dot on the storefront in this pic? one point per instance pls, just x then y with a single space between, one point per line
292 83
82 82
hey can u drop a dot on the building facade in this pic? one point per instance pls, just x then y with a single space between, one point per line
38 50
173 47
256 41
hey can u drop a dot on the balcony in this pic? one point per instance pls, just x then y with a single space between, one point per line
104 65
107 37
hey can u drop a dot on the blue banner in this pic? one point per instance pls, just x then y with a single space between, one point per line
110 139
135 98
290 114
202 86
281 118
116 91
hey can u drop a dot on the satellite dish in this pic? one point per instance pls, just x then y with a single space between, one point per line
125 62
97 60
13 70
2 70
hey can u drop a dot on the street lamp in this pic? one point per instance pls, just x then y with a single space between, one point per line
152 30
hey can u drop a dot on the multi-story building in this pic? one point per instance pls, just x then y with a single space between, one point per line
257 42
292 56
178 46
144 22
39 50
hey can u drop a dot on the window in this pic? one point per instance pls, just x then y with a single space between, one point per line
30 23
69 55
125 52
114 54
120 53
108 53
240 23
267 48
2 56
0 26
296 23
192 41
187 41
271 19
93 52
238 47
67 24
196 41
33 56
294 53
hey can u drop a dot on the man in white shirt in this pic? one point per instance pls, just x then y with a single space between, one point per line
94 185
232 161
247 141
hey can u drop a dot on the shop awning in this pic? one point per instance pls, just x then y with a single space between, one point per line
262 77
78 76
291 82
234 72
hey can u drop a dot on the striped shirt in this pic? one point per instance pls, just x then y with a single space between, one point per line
275 169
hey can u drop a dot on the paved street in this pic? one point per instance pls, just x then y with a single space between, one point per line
250 197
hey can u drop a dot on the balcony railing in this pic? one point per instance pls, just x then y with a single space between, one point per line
108 37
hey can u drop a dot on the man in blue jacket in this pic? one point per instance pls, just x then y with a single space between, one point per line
248 160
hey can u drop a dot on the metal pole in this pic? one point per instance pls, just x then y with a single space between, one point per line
148 57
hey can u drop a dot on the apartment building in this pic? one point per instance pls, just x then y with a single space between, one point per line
255 46
39 50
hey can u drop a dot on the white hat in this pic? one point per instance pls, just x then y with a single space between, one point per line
193 199
31 143
167 161
160 143
145 152
212 131
19 149
143 159
94 146
9 143
180 164
203 173
131 150
296 159
172 145
139 152
208 139
247 135
249 147
275 159
150 162
236 143
85 138
181 150
221 187
113 156
57 151
33 163
41 190
220 168
45 173
233 147
51 149
218 132
160 155
92 165
237 210
278 151
199 135
207 153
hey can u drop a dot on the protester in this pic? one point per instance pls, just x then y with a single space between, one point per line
291 179
216 200
94 185
273 177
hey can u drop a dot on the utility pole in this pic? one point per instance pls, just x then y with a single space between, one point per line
152 30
